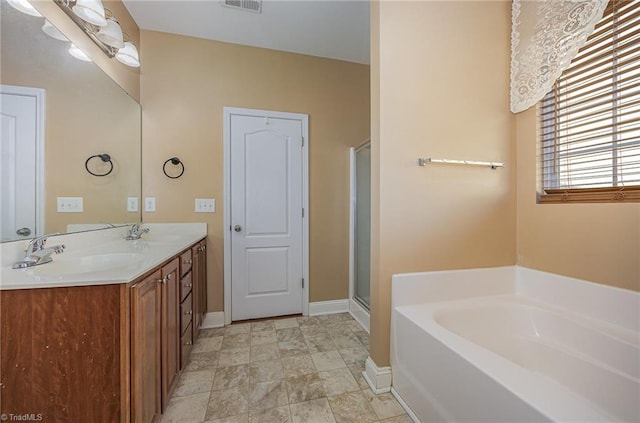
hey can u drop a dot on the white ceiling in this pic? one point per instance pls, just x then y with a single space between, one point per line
324 28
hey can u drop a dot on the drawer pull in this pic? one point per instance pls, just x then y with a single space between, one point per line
188 343
188 262
169 277
163 280
190 312
188 285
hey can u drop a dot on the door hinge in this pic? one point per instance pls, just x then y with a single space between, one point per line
302 141
303 283
229 228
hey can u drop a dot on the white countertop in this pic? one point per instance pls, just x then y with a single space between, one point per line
99 257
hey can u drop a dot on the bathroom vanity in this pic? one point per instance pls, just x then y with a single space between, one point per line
104 340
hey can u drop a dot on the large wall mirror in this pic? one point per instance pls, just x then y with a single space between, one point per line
84 113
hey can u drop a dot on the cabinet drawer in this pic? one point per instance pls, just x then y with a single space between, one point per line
186 260
186 283
186 344
186 313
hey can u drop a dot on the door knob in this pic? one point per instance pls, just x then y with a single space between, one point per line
237 228
24 231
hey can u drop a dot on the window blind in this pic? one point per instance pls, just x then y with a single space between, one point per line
590 120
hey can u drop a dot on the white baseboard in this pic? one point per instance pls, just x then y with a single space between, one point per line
328 307
405 406
213 320
360 314
378 378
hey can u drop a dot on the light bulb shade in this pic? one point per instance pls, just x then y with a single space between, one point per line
25 7
78 54
128 55
52 31
111 34
91 11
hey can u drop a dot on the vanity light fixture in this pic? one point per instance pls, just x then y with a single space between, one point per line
78 54
91 11
24 6
106 33
111 34
128 55
52 31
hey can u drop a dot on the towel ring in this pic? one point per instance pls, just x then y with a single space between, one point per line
105 158
174 161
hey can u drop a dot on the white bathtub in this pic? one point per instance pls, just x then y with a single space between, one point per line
514 344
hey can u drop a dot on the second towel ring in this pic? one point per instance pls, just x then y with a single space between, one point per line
174 161
105 158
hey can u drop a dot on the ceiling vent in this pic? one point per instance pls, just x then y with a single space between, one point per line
248 5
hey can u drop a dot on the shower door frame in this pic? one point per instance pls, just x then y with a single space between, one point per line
360 313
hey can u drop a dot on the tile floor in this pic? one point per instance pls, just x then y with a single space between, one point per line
294 370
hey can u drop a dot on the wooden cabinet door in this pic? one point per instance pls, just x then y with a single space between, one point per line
199 284
146 298
170 329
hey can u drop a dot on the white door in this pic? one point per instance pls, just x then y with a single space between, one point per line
21 114
266 214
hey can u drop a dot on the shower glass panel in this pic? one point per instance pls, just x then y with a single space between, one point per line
362 225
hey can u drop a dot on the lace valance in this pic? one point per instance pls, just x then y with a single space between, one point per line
545 36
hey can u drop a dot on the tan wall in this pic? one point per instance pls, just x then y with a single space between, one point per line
128 78
185 84
443 92
86 113
596 242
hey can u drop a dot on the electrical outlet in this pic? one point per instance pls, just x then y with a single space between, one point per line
132 204
205 205
150 204
69 204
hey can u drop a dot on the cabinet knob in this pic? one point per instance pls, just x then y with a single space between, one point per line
188 262
169 277
190 312
188 343
163 280
188 285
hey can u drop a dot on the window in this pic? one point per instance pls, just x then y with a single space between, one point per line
590 120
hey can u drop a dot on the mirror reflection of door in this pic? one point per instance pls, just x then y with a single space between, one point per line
21 165
362 229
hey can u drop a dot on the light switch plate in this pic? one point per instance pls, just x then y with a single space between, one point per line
69 204
132 204
150 204
205 205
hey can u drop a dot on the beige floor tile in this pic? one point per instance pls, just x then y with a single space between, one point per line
362 336
262 326
210 333
345 341
286 323
338 381
313 331
399 419
186 409
201 361
265 352
230 376
314 411
354 326
385 405
194 382
356 372
354 356
207 344
241 418
328 360
233 357
237 328
264 371
352 407
265 395
298 365
228 402
289 334
267 336
273 415
338 328
320 343
304 388
236 340
289 348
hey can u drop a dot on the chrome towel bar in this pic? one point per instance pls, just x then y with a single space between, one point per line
492 165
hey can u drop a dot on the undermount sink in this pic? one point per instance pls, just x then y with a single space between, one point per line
87 264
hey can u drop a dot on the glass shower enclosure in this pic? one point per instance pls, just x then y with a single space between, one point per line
362 225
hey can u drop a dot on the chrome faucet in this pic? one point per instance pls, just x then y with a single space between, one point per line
135 232
37 254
